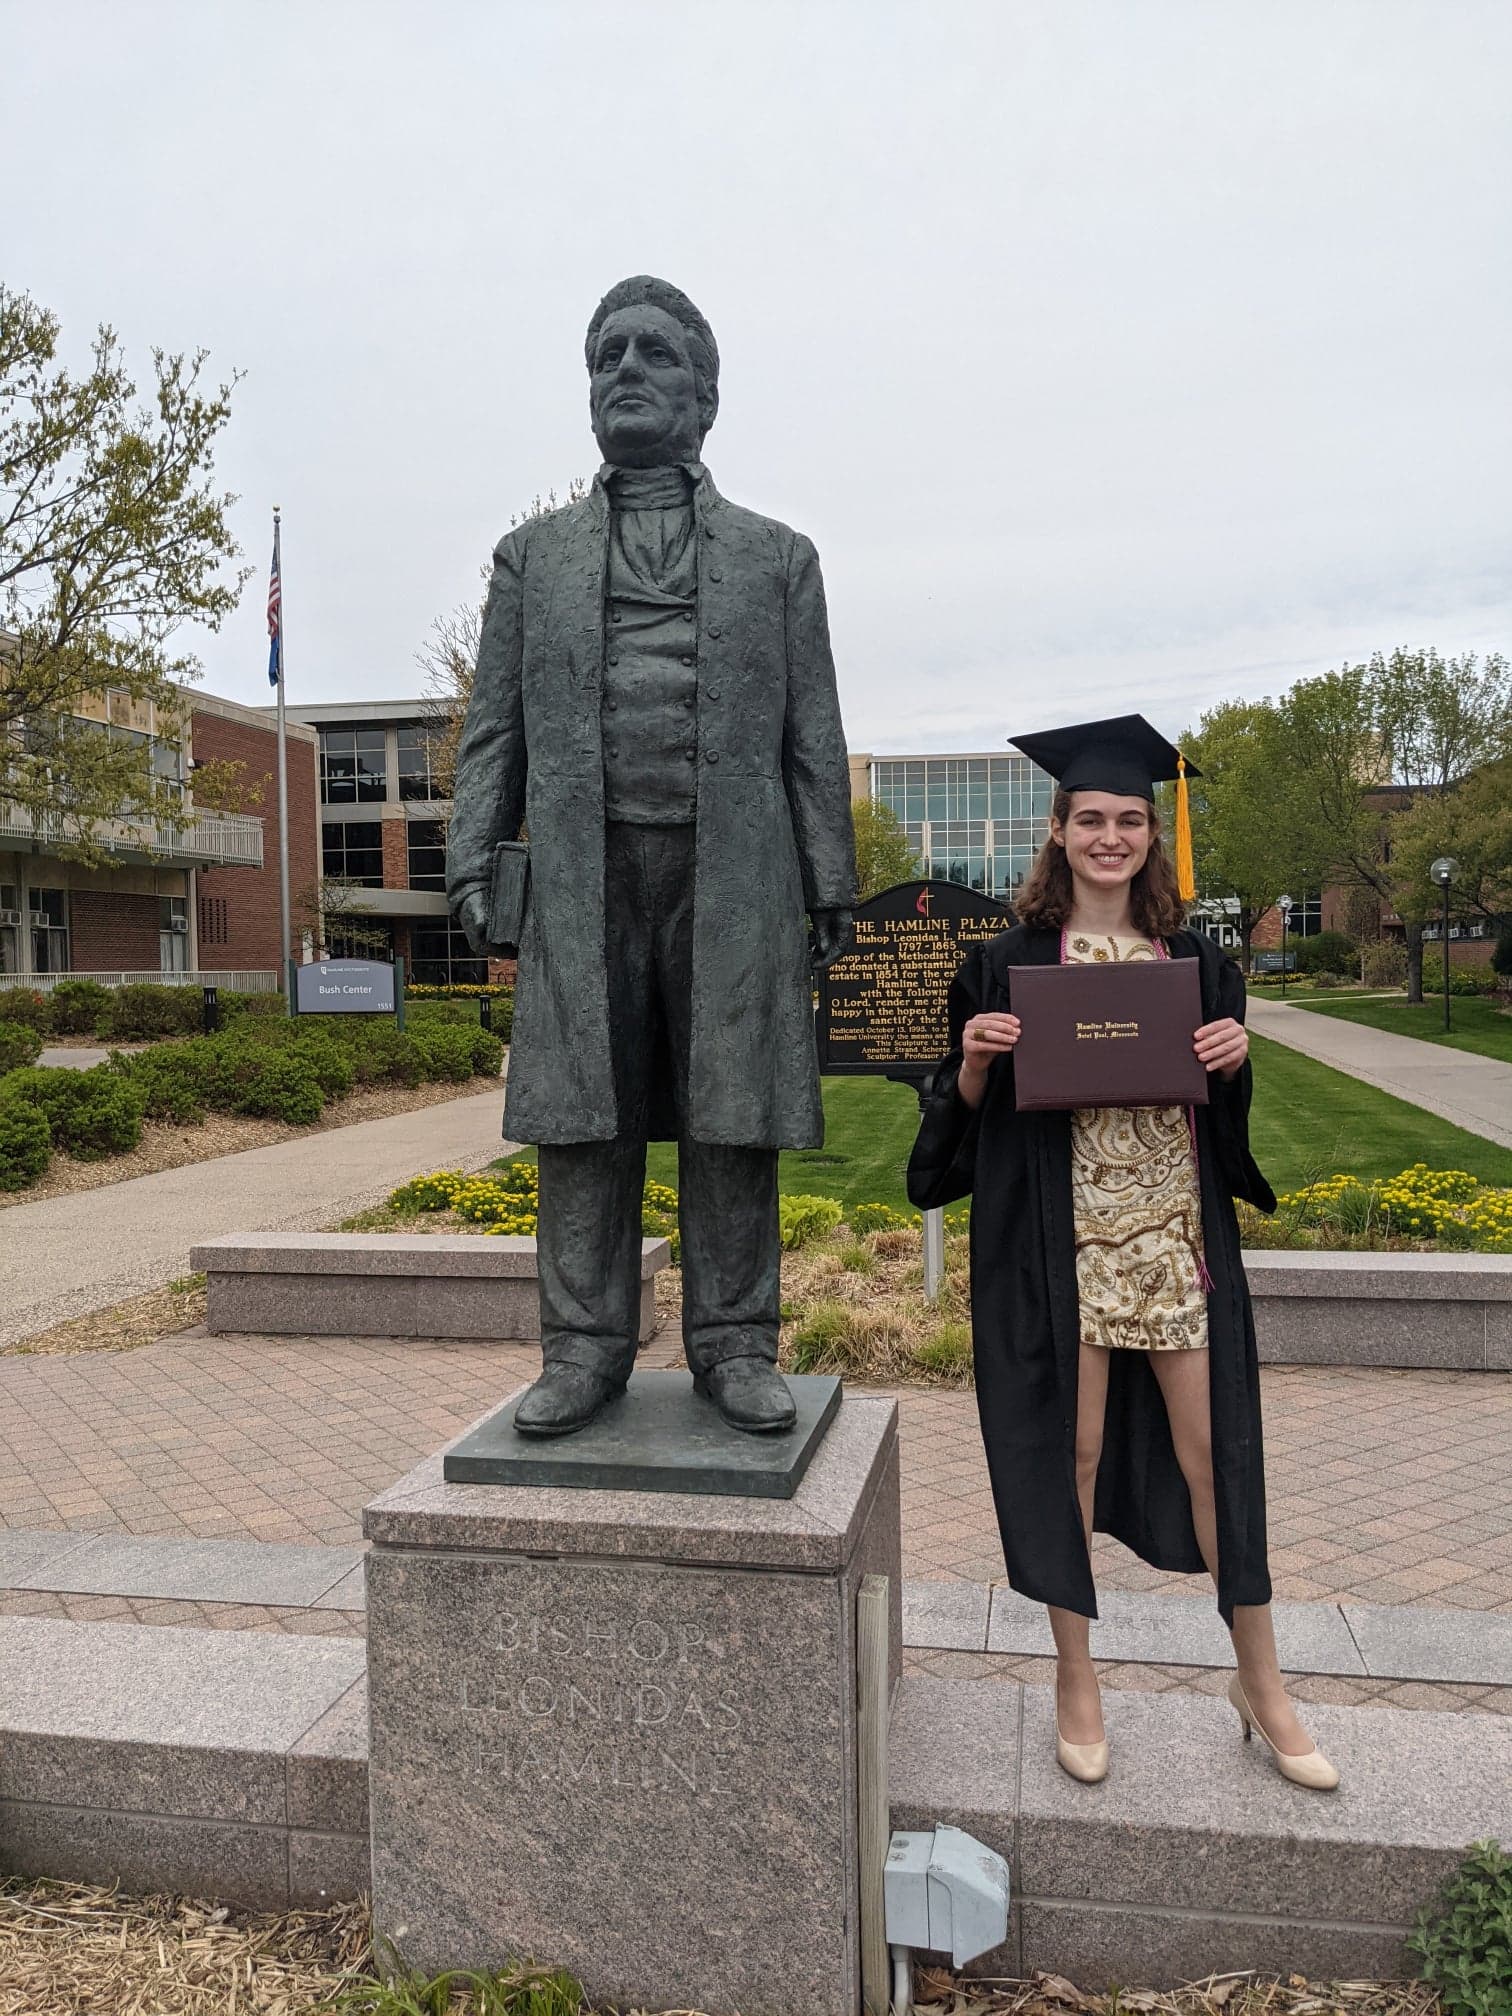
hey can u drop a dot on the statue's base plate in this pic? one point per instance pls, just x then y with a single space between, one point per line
658 1436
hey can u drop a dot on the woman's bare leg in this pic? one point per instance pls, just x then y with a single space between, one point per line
1077 1700
1183 1380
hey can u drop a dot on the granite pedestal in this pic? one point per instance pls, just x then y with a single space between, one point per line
616 1730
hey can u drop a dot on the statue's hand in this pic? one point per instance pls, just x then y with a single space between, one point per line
832 936
473 917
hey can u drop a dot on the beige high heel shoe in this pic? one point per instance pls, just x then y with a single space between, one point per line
1312 1769
1086 1762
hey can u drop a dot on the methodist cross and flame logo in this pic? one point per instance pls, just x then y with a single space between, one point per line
921 902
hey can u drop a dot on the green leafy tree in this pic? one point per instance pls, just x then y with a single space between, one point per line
1415 722
112 538
883 853
1252 834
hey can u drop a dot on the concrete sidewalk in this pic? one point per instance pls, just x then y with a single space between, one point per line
1474 1092
64 1256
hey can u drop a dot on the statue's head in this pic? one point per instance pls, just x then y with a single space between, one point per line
653 374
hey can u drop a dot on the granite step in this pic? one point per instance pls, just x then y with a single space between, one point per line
233 1764
1348 1640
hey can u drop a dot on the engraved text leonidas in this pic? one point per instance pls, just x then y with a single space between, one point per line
614 1704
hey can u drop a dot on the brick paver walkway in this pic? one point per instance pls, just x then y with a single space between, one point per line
1390 1487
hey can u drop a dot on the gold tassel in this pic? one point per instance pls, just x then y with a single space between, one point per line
1186 880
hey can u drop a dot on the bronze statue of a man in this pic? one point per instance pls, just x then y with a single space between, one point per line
655 702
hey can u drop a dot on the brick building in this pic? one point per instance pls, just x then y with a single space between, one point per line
179 897
236 914
383 817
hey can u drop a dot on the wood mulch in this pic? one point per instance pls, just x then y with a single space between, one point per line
67 1950
167 1144
145 1319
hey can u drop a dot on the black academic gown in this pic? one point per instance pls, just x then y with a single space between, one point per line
1026 1334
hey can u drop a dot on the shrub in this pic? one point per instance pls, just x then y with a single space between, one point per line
25 1141
89 1114
446 1050
24 1005
1328 952
75 1007
381 1053
487 1054
271 1083
1465 1946
177 1080
255 1007
804 1219
1385 964
141 1012
20 1045
1465 982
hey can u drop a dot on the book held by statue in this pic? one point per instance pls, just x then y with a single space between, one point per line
1113 1034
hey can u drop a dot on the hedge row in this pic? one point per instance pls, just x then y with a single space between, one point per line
140 1013
279 1070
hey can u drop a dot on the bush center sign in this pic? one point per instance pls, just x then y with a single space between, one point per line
346 987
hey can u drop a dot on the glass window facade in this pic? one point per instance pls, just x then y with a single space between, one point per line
427 854
977 820
353 851
440 956
352 766
49 929
414 747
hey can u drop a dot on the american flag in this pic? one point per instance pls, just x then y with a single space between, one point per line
275 610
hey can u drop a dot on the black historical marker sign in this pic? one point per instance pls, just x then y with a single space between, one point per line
882 1008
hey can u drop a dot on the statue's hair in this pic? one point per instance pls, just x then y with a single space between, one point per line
644 290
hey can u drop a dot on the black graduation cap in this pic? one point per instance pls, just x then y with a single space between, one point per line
1124 755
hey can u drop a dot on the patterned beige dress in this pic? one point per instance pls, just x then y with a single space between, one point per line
1138 1210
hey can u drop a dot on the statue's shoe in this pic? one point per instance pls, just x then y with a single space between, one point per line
750 1393
564 1399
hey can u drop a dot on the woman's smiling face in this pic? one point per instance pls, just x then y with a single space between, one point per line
1106 838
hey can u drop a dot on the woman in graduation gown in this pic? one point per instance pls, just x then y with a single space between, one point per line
1116 1373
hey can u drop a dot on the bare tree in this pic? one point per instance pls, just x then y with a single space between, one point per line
450 653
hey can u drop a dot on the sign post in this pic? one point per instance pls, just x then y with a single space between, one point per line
883 1007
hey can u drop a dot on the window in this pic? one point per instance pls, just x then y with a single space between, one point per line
168 768
354 852
173 934
352 766
415 780
10 928
48 910
361 940
427 854
442 957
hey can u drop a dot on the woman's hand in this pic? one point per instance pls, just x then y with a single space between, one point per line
1222 1046
983 1038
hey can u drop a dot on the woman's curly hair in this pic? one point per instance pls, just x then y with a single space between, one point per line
1047 895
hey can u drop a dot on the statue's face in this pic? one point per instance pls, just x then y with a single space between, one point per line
643 394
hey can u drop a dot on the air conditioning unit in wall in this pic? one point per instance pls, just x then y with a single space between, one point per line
178 924
9 917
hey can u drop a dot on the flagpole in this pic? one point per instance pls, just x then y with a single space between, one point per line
287 954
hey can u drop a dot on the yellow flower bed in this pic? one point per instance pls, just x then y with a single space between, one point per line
1445 1205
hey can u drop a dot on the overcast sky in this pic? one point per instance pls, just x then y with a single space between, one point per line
1115 353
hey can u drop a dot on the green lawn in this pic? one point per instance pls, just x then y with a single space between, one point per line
1478 1024
1308 1121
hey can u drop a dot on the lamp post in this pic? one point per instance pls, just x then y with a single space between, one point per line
1284 905
1443 872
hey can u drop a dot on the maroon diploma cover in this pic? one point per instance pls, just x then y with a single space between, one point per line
1107 1034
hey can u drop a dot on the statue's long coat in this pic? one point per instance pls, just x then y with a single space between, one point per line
774 834
1024 1315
